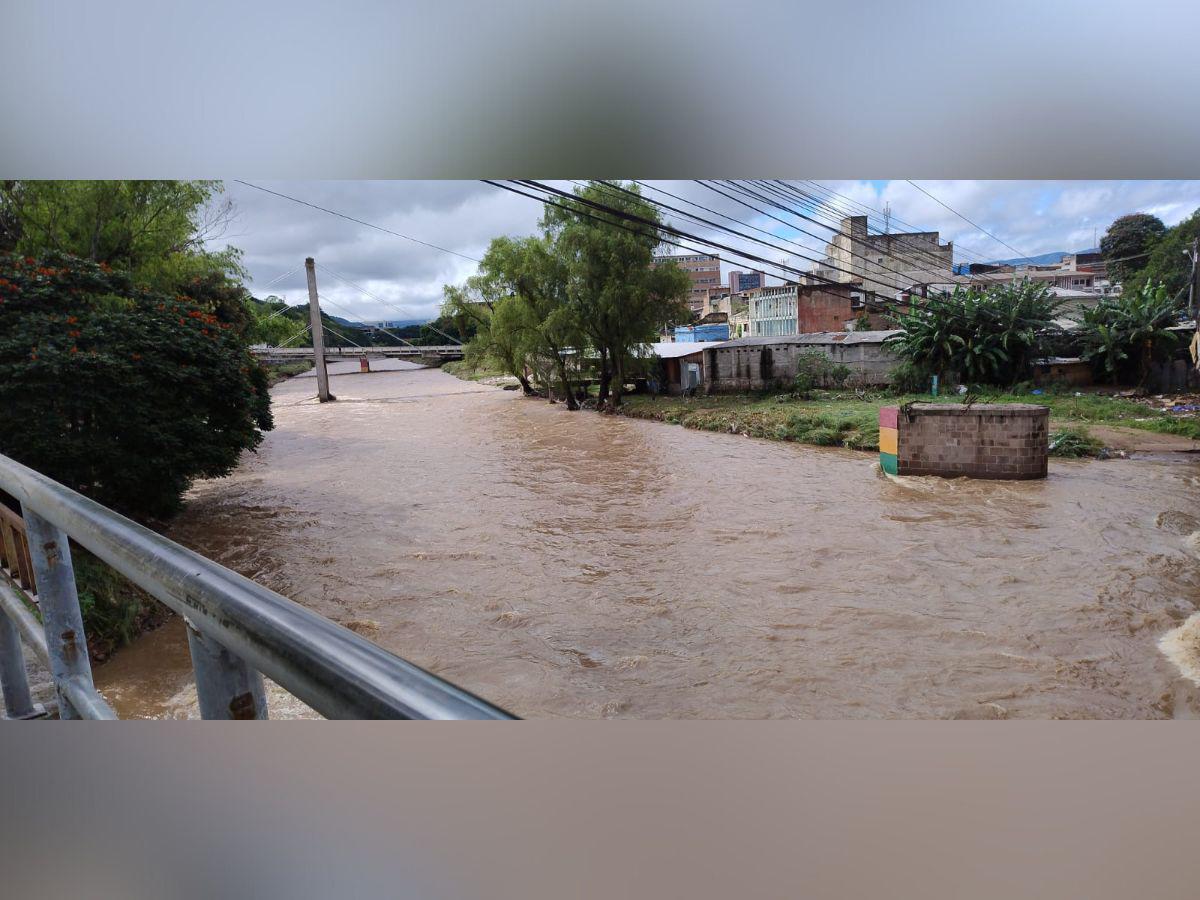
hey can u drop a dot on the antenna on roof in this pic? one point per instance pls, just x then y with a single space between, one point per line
887 217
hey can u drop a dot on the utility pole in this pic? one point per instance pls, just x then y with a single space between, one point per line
1194 298
318 332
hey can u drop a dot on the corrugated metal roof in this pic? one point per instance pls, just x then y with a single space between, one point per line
676 349
816 337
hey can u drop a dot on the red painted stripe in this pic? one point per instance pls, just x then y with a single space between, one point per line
889 416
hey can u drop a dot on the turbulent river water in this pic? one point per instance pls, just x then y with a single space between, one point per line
572 564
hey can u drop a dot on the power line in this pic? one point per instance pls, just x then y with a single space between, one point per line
358 221
669 229
906 241
1024 256
826 263
888 287
710 223
841 205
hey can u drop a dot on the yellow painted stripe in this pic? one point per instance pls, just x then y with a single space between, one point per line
887 440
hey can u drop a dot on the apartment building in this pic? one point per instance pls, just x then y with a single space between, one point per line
703 270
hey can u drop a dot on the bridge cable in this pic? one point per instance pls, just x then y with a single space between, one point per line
384 330
379 299
352 219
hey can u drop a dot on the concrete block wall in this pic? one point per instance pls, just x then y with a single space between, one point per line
758 367
992 440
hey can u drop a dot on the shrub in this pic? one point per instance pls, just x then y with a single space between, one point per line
979 336
1122 337
814 369
118 392
114 610
909 378
1074 441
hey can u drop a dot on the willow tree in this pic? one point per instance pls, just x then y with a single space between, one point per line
498 337
518 303
620 299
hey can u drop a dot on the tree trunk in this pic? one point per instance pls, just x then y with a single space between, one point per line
605 380
618 384
526 387
572 403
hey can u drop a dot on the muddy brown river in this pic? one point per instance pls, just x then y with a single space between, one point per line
572 564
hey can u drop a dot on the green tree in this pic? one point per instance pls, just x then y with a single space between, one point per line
499 332
620 299
1169 263
156 231
547 328
272 323
1123 337
1130 236
120 392
979 336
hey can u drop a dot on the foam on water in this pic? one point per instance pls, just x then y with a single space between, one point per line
1182 647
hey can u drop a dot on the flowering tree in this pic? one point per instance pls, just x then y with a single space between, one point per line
120 392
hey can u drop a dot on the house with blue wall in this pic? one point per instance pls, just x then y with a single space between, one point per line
717 331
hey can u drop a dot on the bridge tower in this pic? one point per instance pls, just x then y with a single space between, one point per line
318 332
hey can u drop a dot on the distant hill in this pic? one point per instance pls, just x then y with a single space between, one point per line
346 322
1042 259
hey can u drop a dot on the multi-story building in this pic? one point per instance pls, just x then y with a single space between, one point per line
813 308
885 263
746 281
704 272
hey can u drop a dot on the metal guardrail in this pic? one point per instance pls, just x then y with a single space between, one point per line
238 631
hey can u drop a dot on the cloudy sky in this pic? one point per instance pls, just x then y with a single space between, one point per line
403 279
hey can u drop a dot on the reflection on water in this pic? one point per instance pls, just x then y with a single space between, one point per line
571 564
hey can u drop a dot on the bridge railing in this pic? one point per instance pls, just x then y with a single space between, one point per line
238 631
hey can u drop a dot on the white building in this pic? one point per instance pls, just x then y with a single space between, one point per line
773 311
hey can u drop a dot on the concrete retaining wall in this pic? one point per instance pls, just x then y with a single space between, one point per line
993 440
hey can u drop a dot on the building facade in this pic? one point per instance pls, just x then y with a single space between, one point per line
703 270
746 281
885 263
773 311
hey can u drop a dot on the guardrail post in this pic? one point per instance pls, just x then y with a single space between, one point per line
18 704
226 687
50 553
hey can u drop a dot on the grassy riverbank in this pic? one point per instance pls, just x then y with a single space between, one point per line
283 371
460 368
115 611
1081 425
846 419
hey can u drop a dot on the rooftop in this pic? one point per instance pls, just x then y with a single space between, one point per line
816 337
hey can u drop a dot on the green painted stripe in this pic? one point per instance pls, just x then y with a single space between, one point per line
887 462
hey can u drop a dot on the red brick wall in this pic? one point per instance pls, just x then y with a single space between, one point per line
980 441
829 308
823 309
